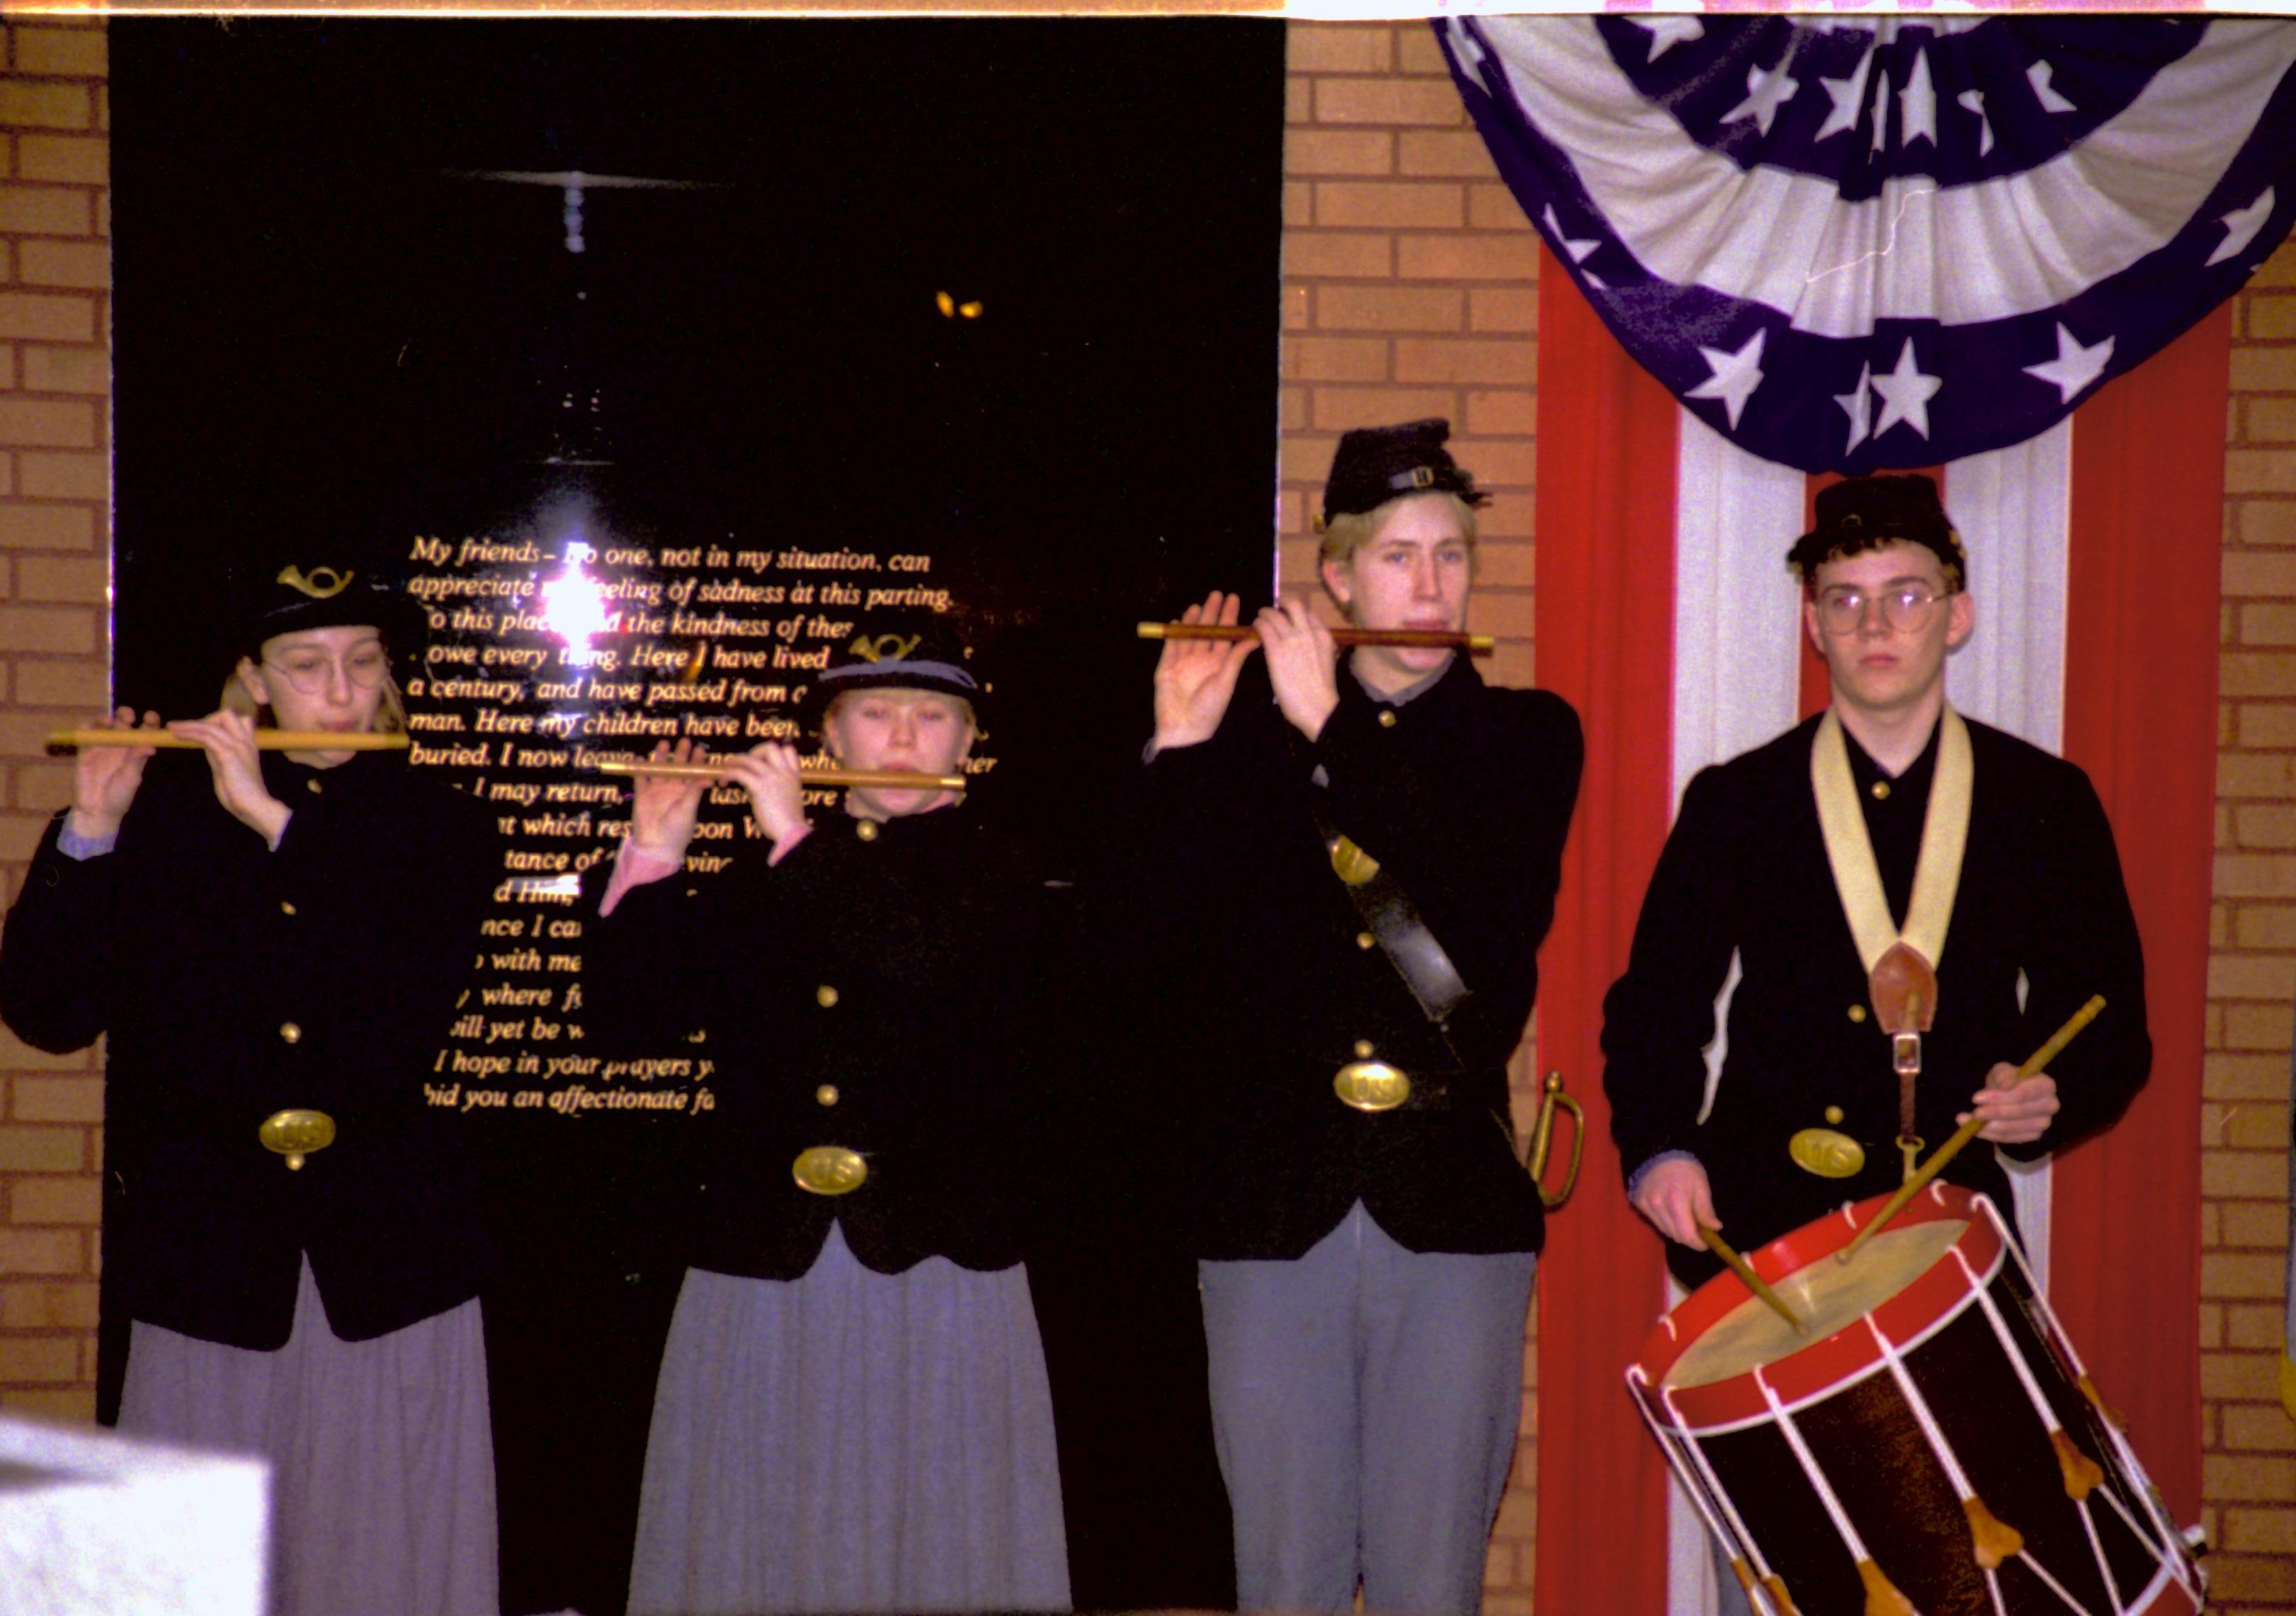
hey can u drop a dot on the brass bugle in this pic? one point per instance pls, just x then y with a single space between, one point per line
1551 1099
883 779
1423 639
266 740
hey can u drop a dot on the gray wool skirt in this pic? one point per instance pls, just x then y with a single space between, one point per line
851 1441
382 1460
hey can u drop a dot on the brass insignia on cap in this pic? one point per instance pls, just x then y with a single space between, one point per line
321 583
1828 1154
883 647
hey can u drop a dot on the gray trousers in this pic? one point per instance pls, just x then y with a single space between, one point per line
1366 1401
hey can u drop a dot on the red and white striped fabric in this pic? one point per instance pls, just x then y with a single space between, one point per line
1667 615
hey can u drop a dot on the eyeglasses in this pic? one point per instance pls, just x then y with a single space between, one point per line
309 672
1905 607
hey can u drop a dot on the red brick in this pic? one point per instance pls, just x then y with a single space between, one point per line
1430 102
1505 463
2254 1026
83 579
2270 419
44 210
1502 412
104 213
1404 204
39 527
1493 207
1339 151
86 264
67 1405
63 476
72 160
2260 471
2248 1476
67 370
1416 52
1297 312
25 104
33 1306
47 628
2271 317
59 52
2254 775
2263 369
1505 566
2262 1224
45 316
2250 574
1299 203
1478 359
27 1251
44 786
1503 308
1339 409
1338 47
1388 308
2264 521
46 423
58 1099
2271 624
42 1149
2255 875
40 1359
2244 1276
2261 674
76 1201
1513 258
2237 1173
1336 359
2260 1532
1299 99
1459 153
1330 253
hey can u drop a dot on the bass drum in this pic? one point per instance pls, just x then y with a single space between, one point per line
1931 1445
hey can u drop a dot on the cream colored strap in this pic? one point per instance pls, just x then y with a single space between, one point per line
1937 871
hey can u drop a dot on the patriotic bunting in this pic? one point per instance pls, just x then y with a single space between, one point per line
1849 244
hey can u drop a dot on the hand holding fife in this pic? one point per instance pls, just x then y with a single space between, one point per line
664 807
228 740
1677 1201
105 778
1302 665
768 772
1195 679
2013 1112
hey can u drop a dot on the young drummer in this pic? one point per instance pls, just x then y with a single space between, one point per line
853 1412
1888 848
273 943
1355 876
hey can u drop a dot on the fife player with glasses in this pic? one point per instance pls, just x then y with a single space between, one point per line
1798 860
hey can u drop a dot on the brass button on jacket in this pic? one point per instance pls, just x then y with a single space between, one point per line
289 1032
866 829
1387 717
825 996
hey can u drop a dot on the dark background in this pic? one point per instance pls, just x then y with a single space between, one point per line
330 339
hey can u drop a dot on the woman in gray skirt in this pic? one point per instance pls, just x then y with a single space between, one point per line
853 1412
274 940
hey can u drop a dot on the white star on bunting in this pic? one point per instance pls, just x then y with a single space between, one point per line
2037 76
1735 376
2075 367
1906 394
1881 115
1469 53
1849 97
1766 90
2240 225
1580 250
1974 100
1918 105
1857 404
1669 30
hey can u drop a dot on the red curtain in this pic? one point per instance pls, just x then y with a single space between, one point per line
2142 584
1605 628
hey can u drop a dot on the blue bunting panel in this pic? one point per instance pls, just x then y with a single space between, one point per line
1862 242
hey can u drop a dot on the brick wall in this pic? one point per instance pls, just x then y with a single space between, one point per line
2249 1478
55 372
1409 290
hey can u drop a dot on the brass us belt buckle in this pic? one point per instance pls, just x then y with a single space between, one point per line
1371 1085
829 1169
296 1134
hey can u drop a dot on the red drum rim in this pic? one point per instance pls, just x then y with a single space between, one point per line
1927 1302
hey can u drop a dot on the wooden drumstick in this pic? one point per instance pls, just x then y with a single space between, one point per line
1970 1130
1744 1270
